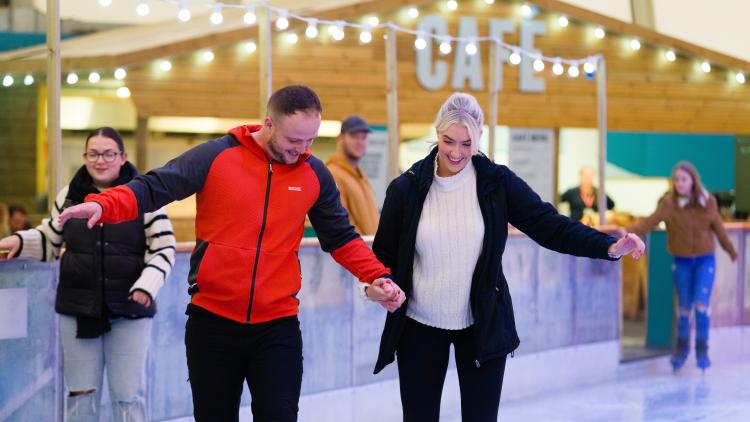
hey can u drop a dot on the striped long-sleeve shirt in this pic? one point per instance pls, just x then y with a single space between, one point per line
45 243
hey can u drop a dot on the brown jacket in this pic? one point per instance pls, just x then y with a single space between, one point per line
356 194
690 228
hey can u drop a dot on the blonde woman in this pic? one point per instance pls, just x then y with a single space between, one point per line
442 232
692 219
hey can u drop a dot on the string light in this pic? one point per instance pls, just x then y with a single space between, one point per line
216 17
365 37
7 80
471 49
420 43
526 10
282 22
451 5
514 58
373 21
184 14
589 67
671 56
599 33
120 73
563 21
165 65
311 31
740 78
143 9
413 12
29 79
538 65
558 69
445 48
250 47
72 79
338 31
706 67
94 77
207 56
573 71
249 17
123 92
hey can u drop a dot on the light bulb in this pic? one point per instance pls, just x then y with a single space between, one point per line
526 10
94 77
29 79
514 58
706 67
365 37
451 5
599 33
184 14
72 79
373 21
471 49
143 9
573 71
7 80
563 21
311 31
123 92
292 38
250 47
558 69
538 65
445 47
589 67
165 65
282 23
413 12
671 56
420 43
120 73
740 78
207 56
635 44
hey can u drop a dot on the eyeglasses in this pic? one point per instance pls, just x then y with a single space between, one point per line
108 156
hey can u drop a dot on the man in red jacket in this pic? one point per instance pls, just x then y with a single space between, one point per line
253 188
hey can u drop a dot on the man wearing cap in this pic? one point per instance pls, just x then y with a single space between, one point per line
356 193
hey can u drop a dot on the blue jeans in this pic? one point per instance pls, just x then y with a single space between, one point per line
694 278
122 352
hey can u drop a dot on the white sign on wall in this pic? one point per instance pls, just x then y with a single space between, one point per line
532 158
375 163
466 71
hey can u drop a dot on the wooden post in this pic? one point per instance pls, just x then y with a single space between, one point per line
601 106
141 138
494 99
54 135
391 71
264 59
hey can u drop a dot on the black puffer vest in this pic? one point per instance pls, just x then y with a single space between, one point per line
100 265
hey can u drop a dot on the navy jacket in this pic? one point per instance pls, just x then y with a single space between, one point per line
503 198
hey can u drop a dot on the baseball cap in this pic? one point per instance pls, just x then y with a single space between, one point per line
354 124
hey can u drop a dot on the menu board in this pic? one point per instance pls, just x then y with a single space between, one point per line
532 157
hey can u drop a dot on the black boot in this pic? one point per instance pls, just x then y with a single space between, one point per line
682 348
701 354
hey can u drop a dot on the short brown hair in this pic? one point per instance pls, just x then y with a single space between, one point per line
291 99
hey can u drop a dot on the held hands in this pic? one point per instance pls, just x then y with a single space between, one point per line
10 245
140 297
627 244
90 211
386 293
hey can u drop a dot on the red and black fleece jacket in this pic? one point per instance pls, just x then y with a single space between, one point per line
249 223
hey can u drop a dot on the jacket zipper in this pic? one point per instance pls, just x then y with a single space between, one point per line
260 239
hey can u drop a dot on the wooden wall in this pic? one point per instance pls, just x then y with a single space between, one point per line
18 126
645 92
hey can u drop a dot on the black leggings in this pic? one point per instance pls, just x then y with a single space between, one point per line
423 354
223 354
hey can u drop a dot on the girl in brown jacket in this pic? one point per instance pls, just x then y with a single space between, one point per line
692 218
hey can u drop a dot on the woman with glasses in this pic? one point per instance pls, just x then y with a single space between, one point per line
109 278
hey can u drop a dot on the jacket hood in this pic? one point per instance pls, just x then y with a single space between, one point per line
244 134
340 161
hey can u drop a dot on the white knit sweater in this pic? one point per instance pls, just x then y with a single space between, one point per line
449 241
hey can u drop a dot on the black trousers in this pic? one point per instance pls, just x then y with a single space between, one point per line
222 354
423 354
